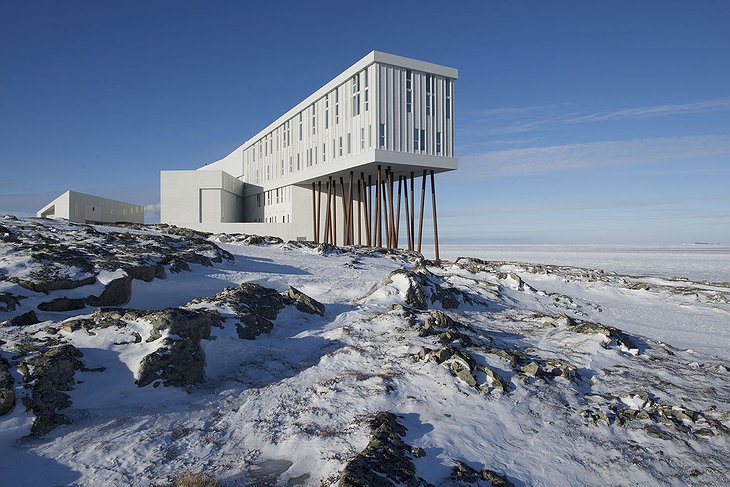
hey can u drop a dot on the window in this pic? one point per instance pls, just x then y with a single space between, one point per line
300 125
416 139
370 135
409 91
448 99
327 112
362 138
282 167
356 95
438 142
423 139
366 90
340 152
314 118
337 105
291 164
324 152
382 135
429 93
298 163
349 143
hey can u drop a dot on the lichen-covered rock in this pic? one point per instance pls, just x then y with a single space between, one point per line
26 319
253 305
8 302
63 304
305 303
50 374
116 293
414 293
463 472
387 459
7 393
180 360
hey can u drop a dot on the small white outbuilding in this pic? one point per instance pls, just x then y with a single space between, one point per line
87 208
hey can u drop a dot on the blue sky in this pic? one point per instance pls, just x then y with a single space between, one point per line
577 122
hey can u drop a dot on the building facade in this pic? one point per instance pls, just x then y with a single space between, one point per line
87 208
331 168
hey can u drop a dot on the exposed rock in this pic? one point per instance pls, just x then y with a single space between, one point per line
63 304
50 284
8 302
26 319
386 461
146 273
50 374
305 304
116 293
180 360
7 393
614 336
254 306
463 472
414 294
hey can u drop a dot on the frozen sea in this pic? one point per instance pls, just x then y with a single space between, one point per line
694 261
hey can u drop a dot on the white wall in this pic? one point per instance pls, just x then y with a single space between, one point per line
83 208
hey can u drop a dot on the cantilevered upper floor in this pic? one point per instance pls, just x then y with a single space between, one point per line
382 110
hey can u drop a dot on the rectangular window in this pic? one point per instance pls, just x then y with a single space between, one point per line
298 162
366 90
337 105
438 143
356 95
324 152
416 138
291 164
362 138
282 167
423 139
314 118
370 135
409 91
349 143
429 90
340 152
382 135
300 126
327 112
448 99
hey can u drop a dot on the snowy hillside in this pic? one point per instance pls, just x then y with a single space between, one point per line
132 356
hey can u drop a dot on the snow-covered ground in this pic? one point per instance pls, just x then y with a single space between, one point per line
546 375
694 261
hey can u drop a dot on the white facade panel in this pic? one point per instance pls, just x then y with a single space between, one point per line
86 208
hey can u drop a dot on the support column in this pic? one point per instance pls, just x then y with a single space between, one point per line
350 223
391 219
359 211
409 234
435 220
413 213
423 201
319 209
334 212
397 214
344 212
365 197
314 212
378 229
328 218
371 212
384 203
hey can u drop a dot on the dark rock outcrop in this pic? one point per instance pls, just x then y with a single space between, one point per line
180 360
253 305
50 374
26 319
116 293
387 459
463 472
63 304
8 302
304 303
7 393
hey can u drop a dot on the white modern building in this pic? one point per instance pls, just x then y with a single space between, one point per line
86 208
340 167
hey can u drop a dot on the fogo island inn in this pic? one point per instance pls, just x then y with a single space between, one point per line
344 166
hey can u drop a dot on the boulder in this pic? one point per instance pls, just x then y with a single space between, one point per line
63 304
304 303
252 325
26 319
7 393
387 459
50 374
146 273
463 472
54 284
414 294
8 302
116 293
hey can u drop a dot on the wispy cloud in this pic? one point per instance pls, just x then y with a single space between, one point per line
516 120
595 154
656 111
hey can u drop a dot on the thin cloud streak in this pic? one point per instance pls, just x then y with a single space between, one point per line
507 121
594 155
